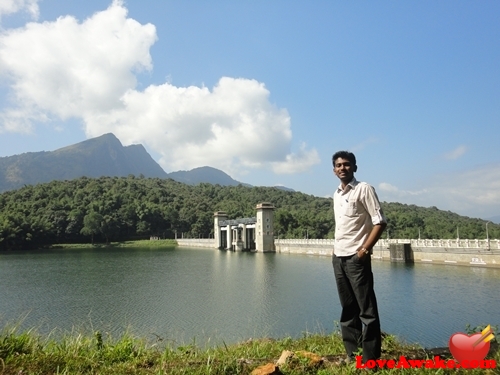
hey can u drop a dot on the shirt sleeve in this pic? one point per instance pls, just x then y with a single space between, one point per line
372 206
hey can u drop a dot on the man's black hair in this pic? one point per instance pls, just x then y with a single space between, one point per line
344 155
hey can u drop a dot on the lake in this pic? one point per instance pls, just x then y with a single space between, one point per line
207 296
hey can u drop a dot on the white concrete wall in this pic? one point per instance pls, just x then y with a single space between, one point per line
473 252
310 246
424 251
196 242
446 255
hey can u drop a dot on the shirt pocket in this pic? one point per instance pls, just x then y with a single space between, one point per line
352 208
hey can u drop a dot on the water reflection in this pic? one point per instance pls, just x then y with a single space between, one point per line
435 301
210 296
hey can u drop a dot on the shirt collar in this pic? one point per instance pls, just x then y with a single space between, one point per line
352 185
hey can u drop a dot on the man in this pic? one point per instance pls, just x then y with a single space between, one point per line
359 222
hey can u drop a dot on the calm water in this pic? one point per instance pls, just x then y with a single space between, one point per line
208 296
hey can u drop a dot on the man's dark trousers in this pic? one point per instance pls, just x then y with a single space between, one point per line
354 279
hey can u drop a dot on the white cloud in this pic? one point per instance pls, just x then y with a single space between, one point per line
384 186
364 144
67 69
473 188
233 126
298 162
474 192
394 193
14 6
456 153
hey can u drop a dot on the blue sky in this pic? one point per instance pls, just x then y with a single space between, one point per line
268 90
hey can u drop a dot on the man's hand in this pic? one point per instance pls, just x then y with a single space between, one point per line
362 252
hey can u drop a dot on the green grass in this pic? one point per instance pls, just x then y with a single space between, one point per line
137 243
24 353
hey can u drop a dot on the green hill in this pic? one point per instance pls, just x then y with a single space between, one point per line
124 208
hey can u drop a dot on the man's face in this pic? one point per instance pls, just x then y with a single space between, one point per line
344 170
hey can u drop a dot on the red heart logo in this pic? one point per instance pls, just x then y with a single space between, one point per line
462 347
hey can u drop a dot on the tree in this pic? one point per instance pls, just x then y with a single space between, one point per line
92 225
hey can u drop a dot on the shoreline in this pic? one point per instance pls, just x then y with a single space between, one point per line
133 243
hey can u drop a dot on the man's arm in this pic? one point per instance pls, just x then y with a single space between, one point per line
372 206
374 235
371 240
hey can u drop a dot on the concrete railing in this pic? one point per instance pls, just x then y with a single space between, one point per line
455 244
311 241
451 243
465 244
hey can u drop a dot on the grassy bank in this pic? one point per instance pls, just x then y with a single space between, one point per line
137 243
23 353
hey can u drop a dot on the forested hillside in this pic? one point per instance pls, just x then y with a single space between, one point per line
121 208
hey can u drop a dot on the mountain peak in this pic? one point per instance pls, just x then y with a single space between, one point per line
204 174
95 157
101 156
